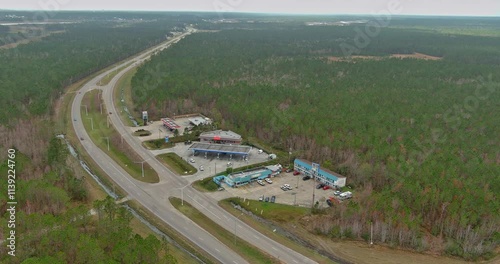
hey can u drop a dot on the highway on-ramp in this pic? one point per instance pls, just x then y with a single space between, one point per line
154 197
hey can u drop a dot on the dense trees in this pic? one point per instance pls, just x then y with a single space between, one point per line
418 139
33 75
53 220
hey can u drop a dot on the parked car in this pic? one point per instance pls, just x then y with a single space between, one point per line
287 186
268 180
260 182
284 188
273 199
202 168
192 160
288 170
221 189
319 186
295 173
305 178
326 187
336 193
329 202
267 199
345 195
261 198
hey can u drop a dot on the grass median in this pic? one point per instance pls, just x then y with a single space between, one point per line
106 79
124 87
249 252
103 134
176 163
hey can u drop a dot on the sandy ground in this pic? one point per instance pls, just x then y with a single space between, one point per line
419 56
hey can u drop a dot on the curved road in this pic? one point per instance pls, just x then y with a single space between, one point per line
154 197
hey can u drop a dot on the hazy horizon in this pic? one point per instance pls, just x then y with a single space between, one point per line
489 8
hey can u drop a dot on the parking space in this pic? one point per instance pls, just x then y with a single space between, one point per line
300 194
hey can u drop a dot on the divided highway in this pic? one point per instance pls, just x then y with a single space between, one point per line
154 197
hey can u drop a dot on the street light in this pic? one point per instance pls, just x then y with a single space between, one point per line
91 122
237 218
314 170
86 110
142 166
182 193
107 140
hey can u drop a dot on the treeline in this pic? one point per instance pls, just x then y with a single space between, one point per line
33 75
417 139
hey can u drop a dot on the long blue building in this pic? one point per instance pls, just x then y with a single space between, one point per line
325 176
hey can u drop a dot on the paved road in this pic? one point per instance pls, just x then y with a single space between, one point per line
154 197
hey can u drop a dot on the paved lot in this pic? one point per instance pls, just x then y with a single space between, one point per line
212 165
301 196
159 131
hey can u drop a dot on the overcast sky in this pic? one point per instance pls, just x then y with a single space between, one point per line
414 7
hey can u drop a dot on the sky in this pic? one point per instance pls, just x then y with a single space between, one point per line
400 7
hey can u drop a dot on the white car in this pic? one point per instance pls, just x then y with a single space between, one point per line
260 182
192 160
268 180
202 168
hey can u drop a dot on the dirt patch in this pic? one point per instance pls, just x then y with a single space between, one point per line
415 55
28 40
418 56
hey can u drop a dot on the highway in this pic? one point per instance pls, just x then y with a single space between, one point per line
154 197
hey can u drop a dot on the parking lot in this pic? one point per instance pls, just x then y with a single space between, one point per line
211 164
301 193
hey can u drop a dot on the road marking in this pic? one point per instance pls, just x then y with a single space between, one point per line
200 238
256 237
217 250
274 248
295 261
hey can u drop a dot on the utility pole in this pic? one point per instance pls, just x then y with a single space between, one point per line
371 233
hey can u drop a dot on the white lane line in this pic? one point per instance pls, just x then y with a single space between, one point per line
256 237
200 238
217 250
274 248
295 261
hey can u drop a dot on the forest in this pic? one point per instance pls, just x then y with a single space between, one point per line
55 223
416 138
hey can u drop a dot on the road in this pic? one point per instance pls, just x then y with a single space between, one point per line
154 197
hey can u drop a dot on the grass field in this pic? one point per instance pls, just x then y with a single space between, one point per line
177 164
205 185
158 144
106 137
280 213
246 250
